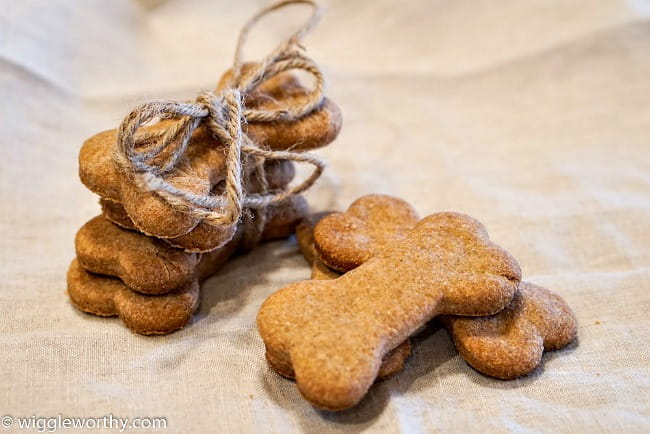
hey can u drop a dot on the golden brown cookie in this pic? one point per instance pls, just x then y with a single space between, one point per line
153 314
506 345
151 266
510 344
335 333
204 237
154 267
203 165
200 172
346 240
144 264
144 314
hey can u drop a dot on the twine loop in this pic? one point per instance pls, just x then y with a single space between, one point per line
223 115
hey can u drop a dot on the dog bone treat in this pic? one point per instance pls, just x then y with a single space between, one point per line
150 266
144 264
510 344
144 314
506 345
346 240
314 130
201 171
158 314
203 167
393 362
204 237
335 333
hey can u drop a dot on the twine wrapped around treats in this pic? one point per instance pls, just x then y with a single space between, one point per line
223 115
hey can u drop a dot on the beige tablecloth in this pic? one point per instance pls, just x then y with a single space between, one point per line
533 116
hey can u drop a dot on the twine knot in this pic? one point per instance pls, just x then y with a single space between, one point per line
223 115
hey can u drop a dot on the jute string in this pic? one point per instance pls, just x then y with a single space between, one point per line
223 115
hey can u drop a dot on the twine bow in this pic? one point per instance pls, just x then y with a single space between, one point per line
223 115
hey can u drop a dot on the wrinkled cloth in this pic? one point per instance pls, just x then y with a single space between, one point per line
533 117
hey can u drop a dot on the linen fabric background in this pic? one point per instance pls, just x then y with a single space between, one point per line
533 117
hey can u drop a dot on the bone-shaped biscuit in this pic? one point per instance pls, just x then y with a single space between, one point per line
145 264
334 333
200 171
506 345
202 168
393 361
151 266
204 237
144 314
157 314
511 343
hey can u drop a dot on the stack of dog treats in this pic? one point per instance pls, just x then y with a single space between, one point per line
379 274
143 259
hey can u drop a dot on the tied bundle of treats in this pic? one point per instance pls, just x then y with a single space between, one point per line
184 186
380 273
